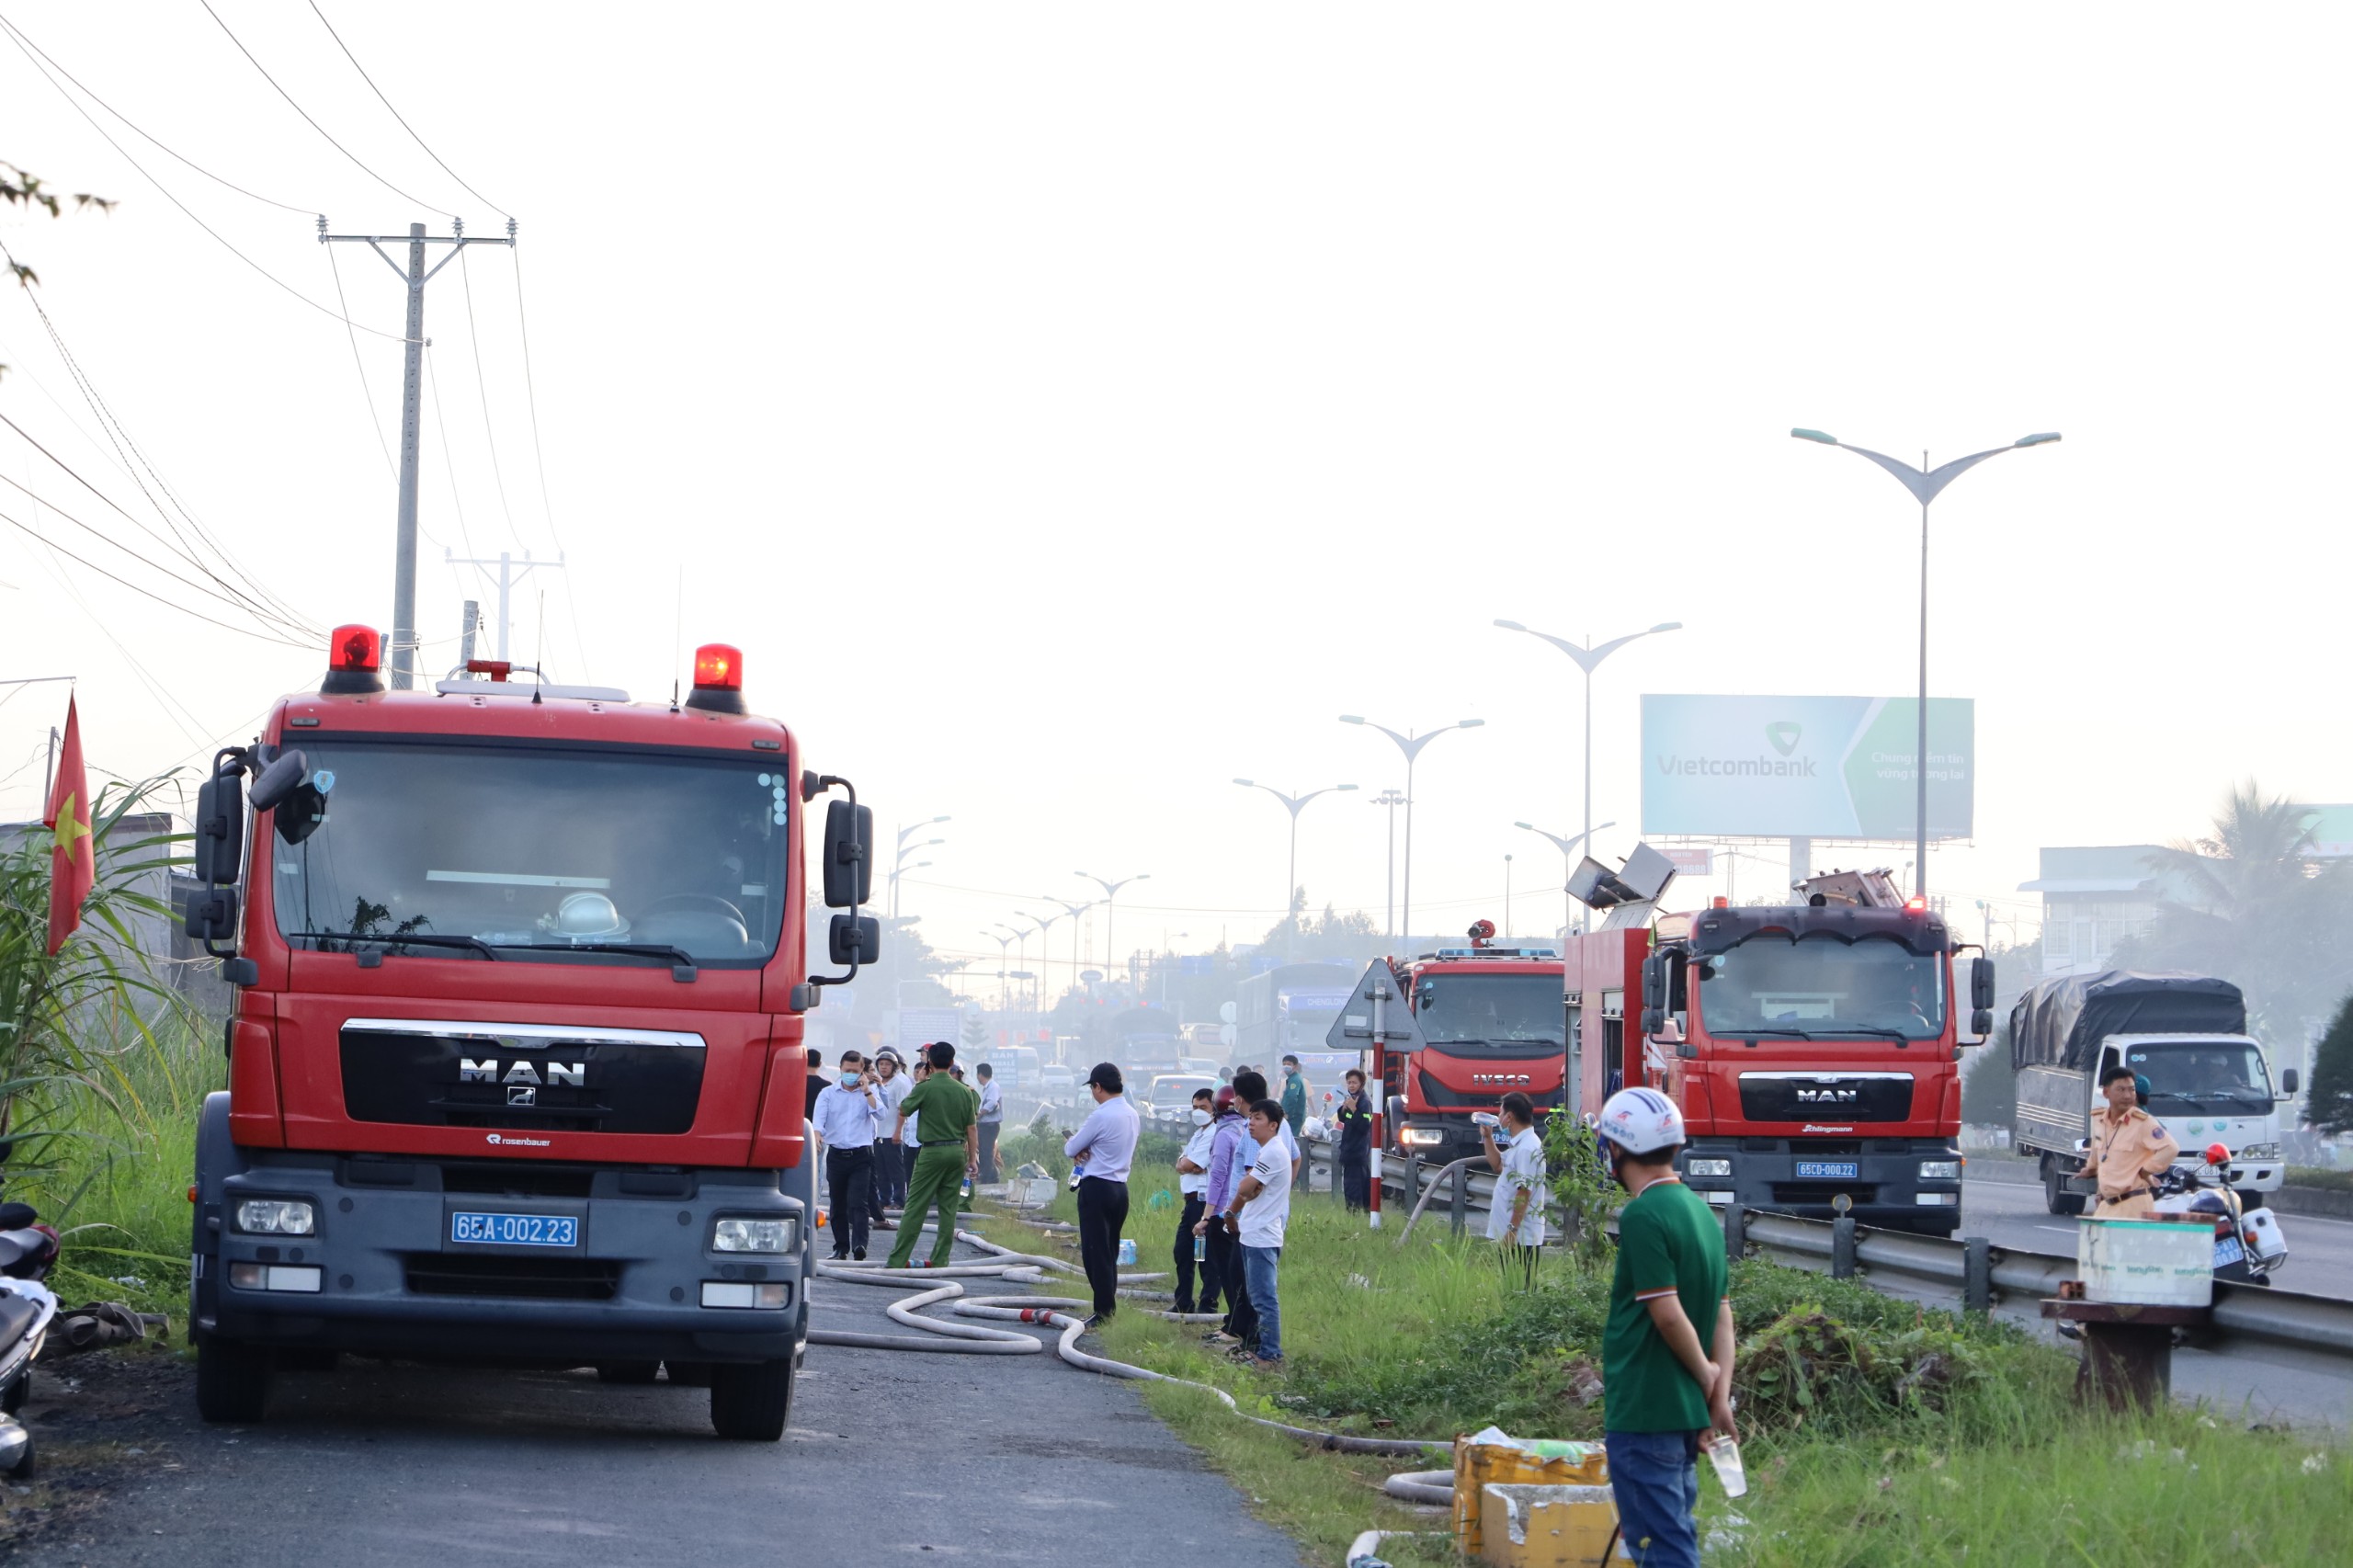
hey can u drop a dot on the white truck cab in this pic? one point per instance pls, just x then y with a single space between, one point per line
2206 1088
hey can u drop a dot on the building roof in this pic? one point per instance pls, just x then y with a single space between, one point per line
2096 869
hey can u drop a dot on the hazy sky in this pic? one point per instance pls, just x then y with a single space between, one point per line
1070 408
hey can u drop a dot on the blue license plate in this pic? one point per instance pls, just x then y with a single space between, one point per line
1828 1170
2228 1251
515 1230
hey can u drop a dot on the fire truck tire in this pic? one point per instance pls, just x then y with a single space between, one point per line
690 1374
628 1371
232 1381
751 1404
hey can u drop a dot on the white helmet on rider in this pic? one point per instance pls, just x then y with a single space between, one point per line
1641 1121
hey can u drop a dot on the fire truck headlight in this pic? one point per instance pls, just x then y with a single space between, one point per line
756 1235
275 1217
1939 1170
1420 1137
1707 1167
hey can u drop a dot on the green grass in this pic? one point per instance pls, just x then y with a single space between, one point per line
2327 1178
1876 1431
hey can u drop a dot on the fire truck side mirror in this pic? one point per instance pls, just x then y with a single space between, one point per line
1654 1021
855 939
279 780
213 915
219 829
1981 1024
1981 984
849 857
1653 987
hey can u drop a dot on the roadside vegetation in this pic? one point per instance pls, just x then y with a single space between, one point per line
1875 1430
103 1066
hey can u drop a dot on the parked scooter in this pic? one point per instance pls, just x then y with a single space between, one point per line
2249 1246
27 1250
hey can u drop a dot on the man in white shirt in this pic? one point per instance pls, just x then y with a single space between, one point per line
1266 1210
992 1118
1515 1213
889 1161
1104 1144
1192 1185
845 1118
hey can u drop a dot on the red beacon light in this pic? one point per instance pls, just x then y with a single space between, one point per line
1916 905
719 679
355 662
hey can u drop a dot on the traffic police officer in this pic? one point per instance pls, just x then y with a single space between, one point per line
2130 1149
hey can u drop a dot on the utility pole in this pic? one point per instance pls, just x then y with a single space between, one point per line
468 624
415 276
510 571
1393 799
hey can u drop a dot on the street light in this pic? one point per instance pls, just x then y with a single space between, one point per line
1045 924
900 867
1568 848
1074 911
1588 658
1411 744
1002 943
1925 484
1391 800
1292 803
1110 893
1021 939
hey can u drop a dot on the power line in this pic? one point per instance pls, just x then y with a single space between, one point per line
449 462
374 424
314 124
240 631
482 389
24 42
265 603
539 454
429 152
189 214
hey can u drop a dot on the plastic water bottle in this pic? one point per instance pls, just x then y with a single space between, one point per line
1126 1250
1077 1175
968 1190
1200 1249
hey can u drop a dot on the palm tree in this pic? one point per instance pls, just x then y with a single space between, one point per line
2249 901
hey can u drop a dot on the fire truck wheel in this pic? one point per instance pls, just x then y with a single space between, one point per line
690 1374
627 1371
751 1404
232 1381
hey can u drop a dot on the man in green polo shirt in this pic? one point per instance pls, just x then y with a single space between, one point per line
946 1118
1663 1388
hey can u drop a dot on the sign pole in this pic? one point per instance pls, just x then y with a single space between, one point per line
1372 1144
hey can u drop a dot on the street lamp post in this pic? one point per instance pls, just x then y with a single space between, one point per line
1002 943
1074 911
1392 799
1411 744
906 850
1588 658
1925 484
1045 924
1568 848
1293 804
1111 894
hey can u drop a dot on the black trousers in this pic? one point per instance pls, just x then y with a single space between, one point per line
1356 1179
1226 1257
891 1161
851 1174
1210 1281
1102 1214
988 1151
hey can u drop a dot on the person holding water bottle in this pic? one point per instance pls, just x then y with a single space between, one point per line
1192 1185
1663 1391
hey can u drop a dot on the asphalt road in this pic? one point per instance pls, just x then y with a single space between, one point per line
2250 1384
891 1457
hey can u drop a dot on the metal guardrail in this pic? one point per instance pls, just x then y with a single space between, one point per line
1965 1273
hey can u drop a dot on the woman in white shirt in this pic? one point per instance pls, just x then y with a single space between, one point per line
1516 1212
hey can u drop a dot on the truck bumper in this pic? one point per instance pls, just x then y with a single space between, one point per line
1788 1175
382 1275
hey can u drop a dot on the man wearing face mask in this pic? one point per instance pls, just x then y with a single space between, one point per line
1192 1185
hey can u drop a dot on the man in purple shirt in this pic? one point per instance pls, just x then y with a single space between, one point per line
1224 1244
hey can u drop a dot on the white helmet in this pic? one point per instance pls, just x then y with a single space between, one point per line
1641 1121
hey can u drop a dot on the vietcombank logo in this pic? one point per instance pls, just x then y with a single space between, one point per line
1783 735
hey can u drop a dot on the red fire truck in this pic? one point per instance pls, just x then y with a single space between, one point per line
516 1063
1813 1049
1494 1022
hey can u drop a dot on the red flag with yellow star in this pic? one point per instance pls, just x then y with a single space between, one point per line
73 861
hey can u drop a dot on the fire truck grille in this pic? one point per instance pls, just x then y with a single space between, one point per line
520 1078
534 1279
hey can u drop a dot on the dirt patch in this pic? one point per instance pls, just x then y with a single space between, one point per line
99 1421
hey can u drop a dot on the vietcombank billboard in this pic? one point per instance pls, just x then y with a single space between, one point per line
1803 767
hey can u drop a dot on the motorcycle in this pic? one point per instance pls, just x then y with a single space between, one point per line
2249 1246
27 1250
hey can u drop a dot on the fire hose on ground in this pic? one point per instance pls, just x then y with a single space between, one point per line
1056 1312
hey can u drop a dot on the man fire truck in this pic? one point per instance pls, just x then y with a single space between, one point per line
1812 1048
516 1065
1494 1022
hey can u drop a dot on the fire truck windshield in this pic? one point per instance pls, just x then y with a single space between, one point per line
504 850
1461 1008
1820 987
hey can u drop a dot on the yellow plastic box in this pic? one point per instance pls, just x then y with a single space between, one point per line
1478 1465
1546 1526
